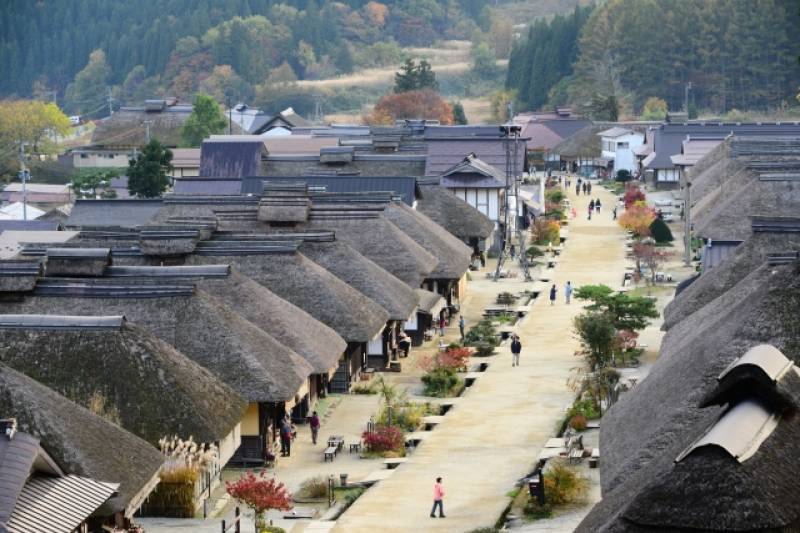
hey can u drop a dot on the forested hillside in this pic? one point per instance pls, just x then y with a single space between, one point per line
227 48
738 54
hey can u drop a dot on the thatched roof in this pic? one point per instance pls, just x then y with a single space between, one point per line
453 255
156 390
453 214
746 258
236 157
299 280
397 298
237 352
647 429
711 171
583 144
320 345
762 308
382 242
126 127
81 442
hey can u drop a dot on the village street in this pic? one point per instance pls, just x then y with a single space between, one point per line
493 435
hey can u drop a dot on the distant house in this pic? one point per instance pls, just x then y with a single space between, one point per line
479 184
662 170
449 145
36 494
37 193
281 124
544 131
617 144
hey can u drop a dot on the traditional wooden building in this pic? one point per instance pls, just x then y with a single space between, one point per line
81 444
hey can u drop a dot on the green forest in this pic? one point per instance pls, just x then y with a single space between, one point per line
737 54
76 50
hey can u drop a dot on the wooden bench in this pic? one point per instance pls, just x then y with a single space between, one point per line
595 458
330 453
355 447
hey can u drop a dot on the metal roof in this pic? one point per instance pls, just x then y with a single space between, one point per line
127 213
78 253
61 322
760 224
405 186
58 504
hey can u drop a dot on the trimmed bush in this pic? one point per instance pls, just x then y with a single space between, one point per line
660 231
623 175
482 332
440 382
578 422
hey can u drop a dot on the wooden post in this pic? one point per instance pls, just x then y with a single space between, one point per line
238 521
223 526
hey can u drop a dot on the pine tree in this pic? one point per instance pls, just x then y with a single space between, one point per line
147 174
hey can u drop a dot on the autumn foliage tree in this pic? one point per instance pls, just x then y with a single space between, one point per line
422 104
260 493
632 195
637 218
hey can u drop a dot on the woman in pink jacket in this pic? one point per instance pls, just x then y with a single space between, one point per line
438 497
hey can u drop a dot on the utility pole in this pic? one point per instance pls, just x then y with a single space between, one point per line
687 219
24 174
319 117
110 102
230 115
687 88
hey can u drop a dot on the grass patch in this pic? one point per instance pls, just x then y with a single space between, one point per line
315 488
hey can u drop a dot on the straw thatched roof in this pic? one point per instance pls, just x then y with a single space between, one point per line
453 214
653 424
237 352
81 442
382 242
711 171
320 345
299 280
156 390
453 255
583 144
397 298
759 309
747 257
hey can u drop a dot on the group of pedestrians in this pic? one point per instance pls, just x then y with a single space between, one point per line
585 186
567 293
288 432
594 206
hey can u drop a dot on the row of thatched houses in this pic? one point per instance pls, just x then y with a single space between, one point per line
707 441
215 314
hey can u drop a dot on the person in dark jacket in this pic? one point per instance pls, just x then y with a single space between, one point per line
286 438
597 205
591 205
314 424
516 349
553 293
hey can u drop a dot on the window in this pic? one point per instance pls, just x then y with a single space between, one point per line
622 145
84 156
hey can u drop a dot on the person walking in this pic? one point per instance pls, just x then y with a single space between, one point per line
568 292
578 190
286 438
585 188
438 498
461 325
442 325
614 212
591 209
591 205
553 292
597 205
589 187
513 251
314 427
516 349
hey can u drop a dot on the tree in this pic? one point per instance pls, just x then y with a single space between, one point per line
260 493
654 109
637 218
459 116
423 104
499 105
483 62
225 84
626 312
413 77
650 256
147 174
32 123
85 184
623 175
633 194
660 231
205 120
596 332
87 94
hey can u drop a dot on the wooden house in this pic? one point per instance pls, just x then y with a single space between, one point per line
36 494
81 444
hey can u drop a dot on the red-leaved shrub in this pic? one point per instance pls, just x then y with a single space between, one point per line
260 493
384 439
